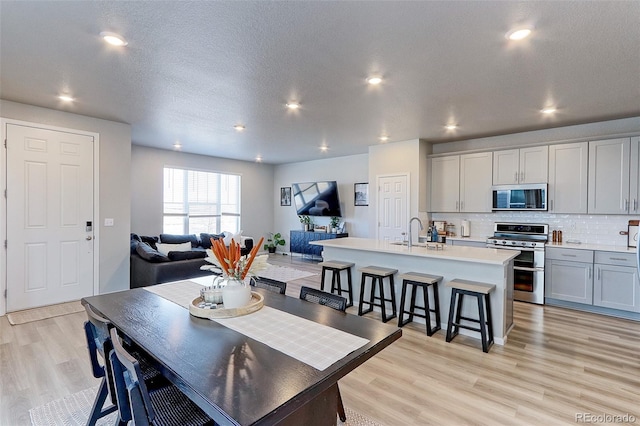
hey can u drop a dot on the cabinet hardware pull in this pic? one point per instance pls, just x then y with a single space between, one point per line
457 205
598 274
567 255
635 204
461 205
551 205
589 271
618 258
521 177
515 177
626 205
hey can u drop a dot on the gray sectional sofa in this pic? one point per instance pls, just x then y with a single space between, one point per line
149 266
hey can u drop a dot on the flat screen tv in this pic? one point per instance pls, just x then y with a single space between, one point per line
316 198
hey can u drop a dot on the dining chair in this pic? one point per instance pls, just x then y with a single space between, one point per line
336 302
96 330
323 298
269 284
166 405
99 343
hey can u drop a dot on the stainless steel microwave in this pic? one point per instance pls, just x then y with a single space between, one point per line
519 197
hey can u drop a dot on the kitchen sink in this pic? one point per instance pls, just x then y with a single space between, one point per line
405 243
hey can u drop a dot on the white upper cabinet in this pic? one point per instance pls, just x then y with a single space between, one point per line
461 183
445 184
609 176
568 165
634 171
475 182
525 165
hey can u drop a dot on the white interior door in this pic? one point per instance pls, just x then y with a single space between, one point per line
393 207
49 210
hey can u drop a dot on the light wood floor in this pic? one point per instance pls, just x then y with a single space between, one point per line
556 365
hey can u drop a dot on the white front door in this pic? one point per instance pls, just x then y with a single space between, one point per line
49 211
393 207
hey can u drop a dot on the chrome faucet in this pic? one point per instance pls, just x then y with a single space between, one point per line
409 229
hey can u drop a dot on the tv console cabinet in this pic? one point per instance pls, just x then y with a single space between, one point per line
299 242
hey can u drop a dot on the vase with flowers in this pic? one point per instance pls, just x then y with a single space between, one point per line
306 222
235 270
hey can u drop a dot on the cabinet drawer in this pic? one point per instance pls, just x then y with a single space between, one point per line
573 255
614 258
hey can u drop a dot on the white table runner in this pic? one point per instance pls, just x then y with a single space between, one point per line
314 344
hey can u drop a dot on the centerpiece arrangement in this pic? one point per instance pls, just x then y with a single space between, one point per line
234 268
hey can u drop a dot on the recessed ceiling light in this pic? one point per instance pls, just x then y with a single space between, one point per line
374 80
548 110
324 148
519 33
113 38
451 127
239 127
66 98
258 159
177 145
383 138
293 105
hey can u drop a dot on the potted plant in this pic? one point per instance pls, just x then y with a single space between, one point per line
305 221
335 220
274 241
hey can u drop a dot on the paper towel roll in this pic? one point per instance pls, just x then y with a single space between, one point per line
465 230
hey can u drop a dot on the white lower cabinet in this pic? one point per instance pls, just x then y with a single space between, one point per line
570 281
568 275
616 286
601 278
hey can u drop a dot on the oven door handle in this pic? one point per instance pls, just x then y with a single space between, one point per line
521 268
514 248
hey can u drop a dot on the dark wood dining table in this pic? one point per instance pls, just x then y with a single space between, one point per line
237 380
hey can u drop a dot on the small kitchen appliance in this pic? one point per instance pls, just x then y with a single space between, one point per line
632 233
528 266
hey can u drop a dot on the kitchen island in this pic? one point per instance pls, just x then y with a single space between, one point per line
492 266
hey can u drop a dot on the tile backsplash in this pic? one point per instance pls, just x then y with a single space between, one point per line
588 229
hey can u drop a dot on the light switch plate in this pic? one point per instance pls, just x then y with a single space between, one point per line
108 222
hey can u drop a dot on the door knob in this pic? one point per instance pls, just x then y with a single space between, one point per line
89 238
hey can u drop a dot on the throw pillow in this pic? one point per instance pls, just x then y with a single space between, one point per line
228 236
178 239
149 240
145 251
185 255
166 248
205 239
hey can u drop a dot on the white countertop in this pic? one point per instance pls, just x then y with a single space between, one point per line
464 254
598 247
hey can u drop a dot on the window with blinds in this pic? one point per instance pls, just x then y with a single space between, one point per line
197 201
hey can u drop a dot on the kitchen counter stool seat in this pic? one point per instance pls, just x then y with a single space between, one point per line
336 267
481 291
377 275
415 280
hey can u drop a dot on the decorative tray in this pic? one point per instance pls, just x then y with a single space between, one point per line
256 303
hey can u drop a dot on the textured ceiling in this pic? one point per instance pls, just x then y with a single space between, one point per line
192 70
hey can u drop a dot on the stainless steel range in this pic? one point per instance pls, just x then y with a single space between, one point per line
528 269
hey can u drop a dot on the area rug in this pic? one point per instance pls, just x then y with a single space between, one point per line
73 410
284 274
44 312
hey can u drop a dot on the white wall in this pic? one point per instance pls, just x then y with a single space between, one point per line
147 166
114 178
346 171
408 157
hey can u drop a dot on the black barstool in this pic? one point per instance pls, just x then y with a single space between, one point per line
481 291
336 267
378 274
415 280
